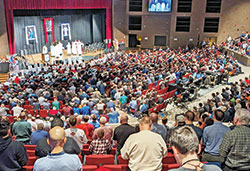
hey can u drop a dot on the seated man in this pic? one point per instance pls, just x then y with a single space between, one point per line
13 154
57 158
185 146
235 147
70 147
144 149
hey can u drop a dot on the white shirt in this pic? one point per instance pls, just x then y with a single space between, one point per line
78 135
145 151
17 110
33 125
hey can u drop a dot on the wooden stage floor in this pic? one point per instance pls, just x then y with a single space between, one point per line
37 58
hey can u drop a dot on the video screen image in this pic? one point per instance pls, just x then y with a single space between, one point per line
159 5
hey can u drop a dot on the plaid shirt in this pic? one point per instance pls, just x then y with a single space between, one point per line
235 147
100 146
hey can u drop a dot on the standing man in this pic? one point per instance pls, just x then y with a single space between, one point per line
122 132
17 110
159 129
185 145
39 134
13 154
108 131
212 138
22 129
57 159
140 152
235 146
77 134
189 119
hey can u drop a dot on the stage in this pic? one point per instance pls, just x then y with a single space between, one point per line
37 58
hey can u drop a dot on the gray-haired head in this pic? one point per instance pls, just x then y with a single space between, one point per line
185 140
242 117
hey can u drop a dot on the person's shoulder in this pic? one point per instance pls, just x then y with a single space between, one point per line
16 144
210 168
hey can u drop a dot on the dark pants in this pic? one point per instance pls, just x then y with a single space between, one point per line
206 157
226 168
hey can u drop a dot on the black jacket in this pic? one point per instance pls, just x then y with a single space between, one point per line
43 148
12 154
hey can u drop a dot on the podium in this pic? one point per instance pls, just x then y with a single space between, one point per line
45 57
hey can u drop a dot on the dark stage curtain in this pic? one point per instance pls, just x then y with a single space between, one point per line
85 25
11 5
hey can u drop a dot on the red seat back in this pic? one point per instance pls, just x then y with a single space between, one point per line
169 159
89 167
115 167
121 160
99 159
31 161
31 153
43 113
30 147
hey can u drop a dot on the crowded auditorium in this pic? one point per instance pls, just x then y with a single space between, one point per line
125 85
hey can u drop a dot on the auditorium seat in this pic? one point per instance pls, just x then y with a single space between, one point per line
85 146
173 166
89 167
31 153
61 104
43 113
30 147
86 151
31 112
28 107
10 112
11 118
113 151
99 159
28 168
116 167
31 161
121 160
150 86
169 159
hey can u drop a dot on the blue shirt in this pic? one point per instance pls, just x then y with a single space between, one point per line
133 104
123 99
76 110
95 124
213 136
61 161
110 105
38 135
85 110
113 117
159 129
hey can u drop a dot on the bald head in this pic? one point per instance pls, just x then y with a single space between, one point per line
57 134
145 123
154 117
57 139
124 118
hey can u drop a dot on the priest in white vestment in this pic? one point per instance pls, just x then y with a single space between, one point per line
69 49
74 47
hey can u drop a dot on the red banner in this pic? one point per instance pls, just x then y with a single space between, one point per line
48 27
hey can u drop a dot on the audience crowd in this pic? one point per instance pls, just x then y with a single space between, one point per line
240 44
62 107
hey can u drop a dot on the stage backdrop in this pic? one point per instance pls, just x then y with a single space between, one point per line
11 5
85 25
